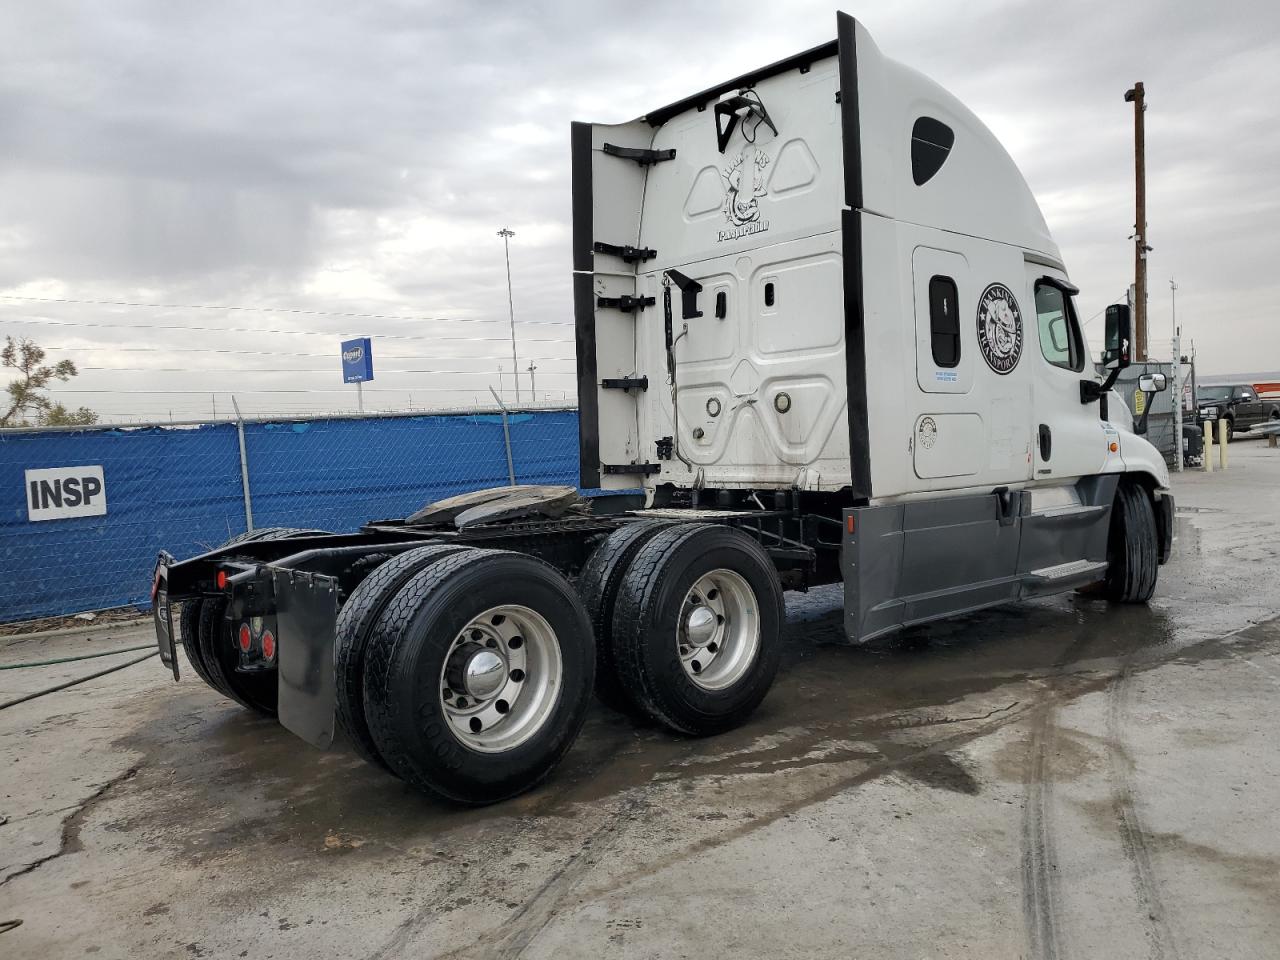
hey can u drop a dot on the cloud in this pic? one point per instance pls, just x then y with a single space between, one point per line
360 158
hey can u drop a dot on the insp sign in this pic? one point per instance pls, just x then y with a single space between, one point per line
57 493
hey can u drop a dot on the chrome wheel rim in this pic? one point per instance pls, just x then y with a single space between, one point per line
501 679
718 632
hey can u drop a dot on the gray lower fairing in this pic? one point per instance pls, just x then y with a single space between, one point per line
911 562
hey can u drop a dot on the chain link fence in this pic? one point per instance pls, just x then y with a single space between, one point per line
188 487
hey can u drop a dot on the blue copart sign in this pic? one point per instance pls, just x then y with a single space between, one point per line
357 360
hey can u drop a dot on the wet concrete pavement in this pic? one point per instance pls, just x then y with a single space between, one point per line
1060 778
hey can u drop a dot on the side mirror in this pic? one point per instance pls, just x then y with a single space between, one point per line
1115 350
1153 383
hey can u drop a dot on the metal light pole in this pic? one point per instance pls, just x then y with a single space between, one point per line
506 235
1137 96
1177 379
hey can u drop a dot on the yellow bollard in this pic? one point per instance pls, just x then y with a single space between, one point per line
1208 447
1222 443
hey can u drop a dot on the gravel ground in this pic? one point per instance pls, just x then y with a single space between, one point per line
1060 778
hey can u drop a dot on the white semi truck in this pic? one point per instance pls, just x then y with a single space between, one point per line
822 325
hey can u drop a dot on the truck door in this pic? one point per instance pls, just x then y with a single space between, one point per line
1248 408
1067 435
970 415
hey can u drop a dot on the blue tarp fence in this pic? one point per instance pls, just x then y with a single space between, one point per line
180 489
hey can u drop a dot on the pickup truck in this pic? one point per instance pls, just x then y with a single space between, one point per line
1237 403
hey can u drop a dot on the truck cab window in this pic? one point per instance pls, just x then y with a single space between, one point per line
1060 339
944 322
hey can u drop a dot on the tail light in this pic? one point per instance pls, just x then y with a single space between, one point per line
221 579
269 645
246 638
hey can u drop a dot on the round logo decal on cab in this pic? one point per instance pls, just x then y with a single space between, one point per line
999 328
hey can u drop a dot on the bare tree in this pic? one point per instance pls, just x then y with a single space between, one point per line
27 392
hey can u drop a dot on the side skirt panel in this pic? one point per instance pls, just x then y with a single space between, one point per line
911 563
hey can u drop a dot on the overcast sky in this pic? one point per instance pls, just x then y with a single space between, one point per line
359 158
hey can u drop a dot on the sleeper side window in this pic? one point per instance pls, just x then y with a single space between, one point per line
944 322
1060 339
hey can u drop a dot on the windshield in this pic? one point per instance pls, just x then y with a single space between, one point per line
1214 393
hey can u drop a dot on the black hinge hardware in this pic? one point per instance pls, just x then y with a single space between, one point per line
689 290
640 155
625 252
644 469
666 446
626 303
625 383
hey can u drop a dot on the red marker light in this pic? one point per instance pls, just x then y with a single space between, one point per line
268 646
850 523
246 638
221 579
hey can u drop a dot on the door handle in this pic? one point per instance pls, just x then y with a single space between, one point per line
1046 442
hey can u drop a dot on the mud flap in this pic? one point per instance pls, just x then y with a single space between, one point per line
306 621
1164 524
162 614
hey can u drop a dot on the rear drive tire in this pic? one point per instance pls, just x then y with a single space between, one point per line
214 643
189 631
598 586
697 626
1133 552
478 674
356 621
255 691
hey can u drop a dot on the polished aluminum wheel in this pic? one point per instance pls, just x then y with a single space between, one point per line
718 636
501 679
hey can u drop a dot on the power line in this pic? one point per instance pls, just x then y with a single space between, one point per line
246 309
274 390
295 333
280 353
329 371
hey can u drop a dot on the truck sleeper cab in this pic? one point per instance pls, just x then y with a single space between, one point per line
822 325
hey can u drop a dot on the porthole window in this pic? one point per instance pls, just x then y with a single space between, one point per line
931 142
944 322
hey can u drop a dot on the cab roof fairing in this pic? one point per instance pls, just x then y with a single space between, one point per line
979 191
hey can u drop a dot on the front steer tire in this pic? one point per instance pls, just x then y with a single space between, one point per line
1133 547
444 611
653 627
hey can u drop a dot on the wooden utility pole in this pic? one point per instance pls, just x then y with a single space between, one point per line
1137 96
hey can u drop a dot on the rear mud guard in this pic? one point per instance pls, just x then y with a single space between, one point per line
306 622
